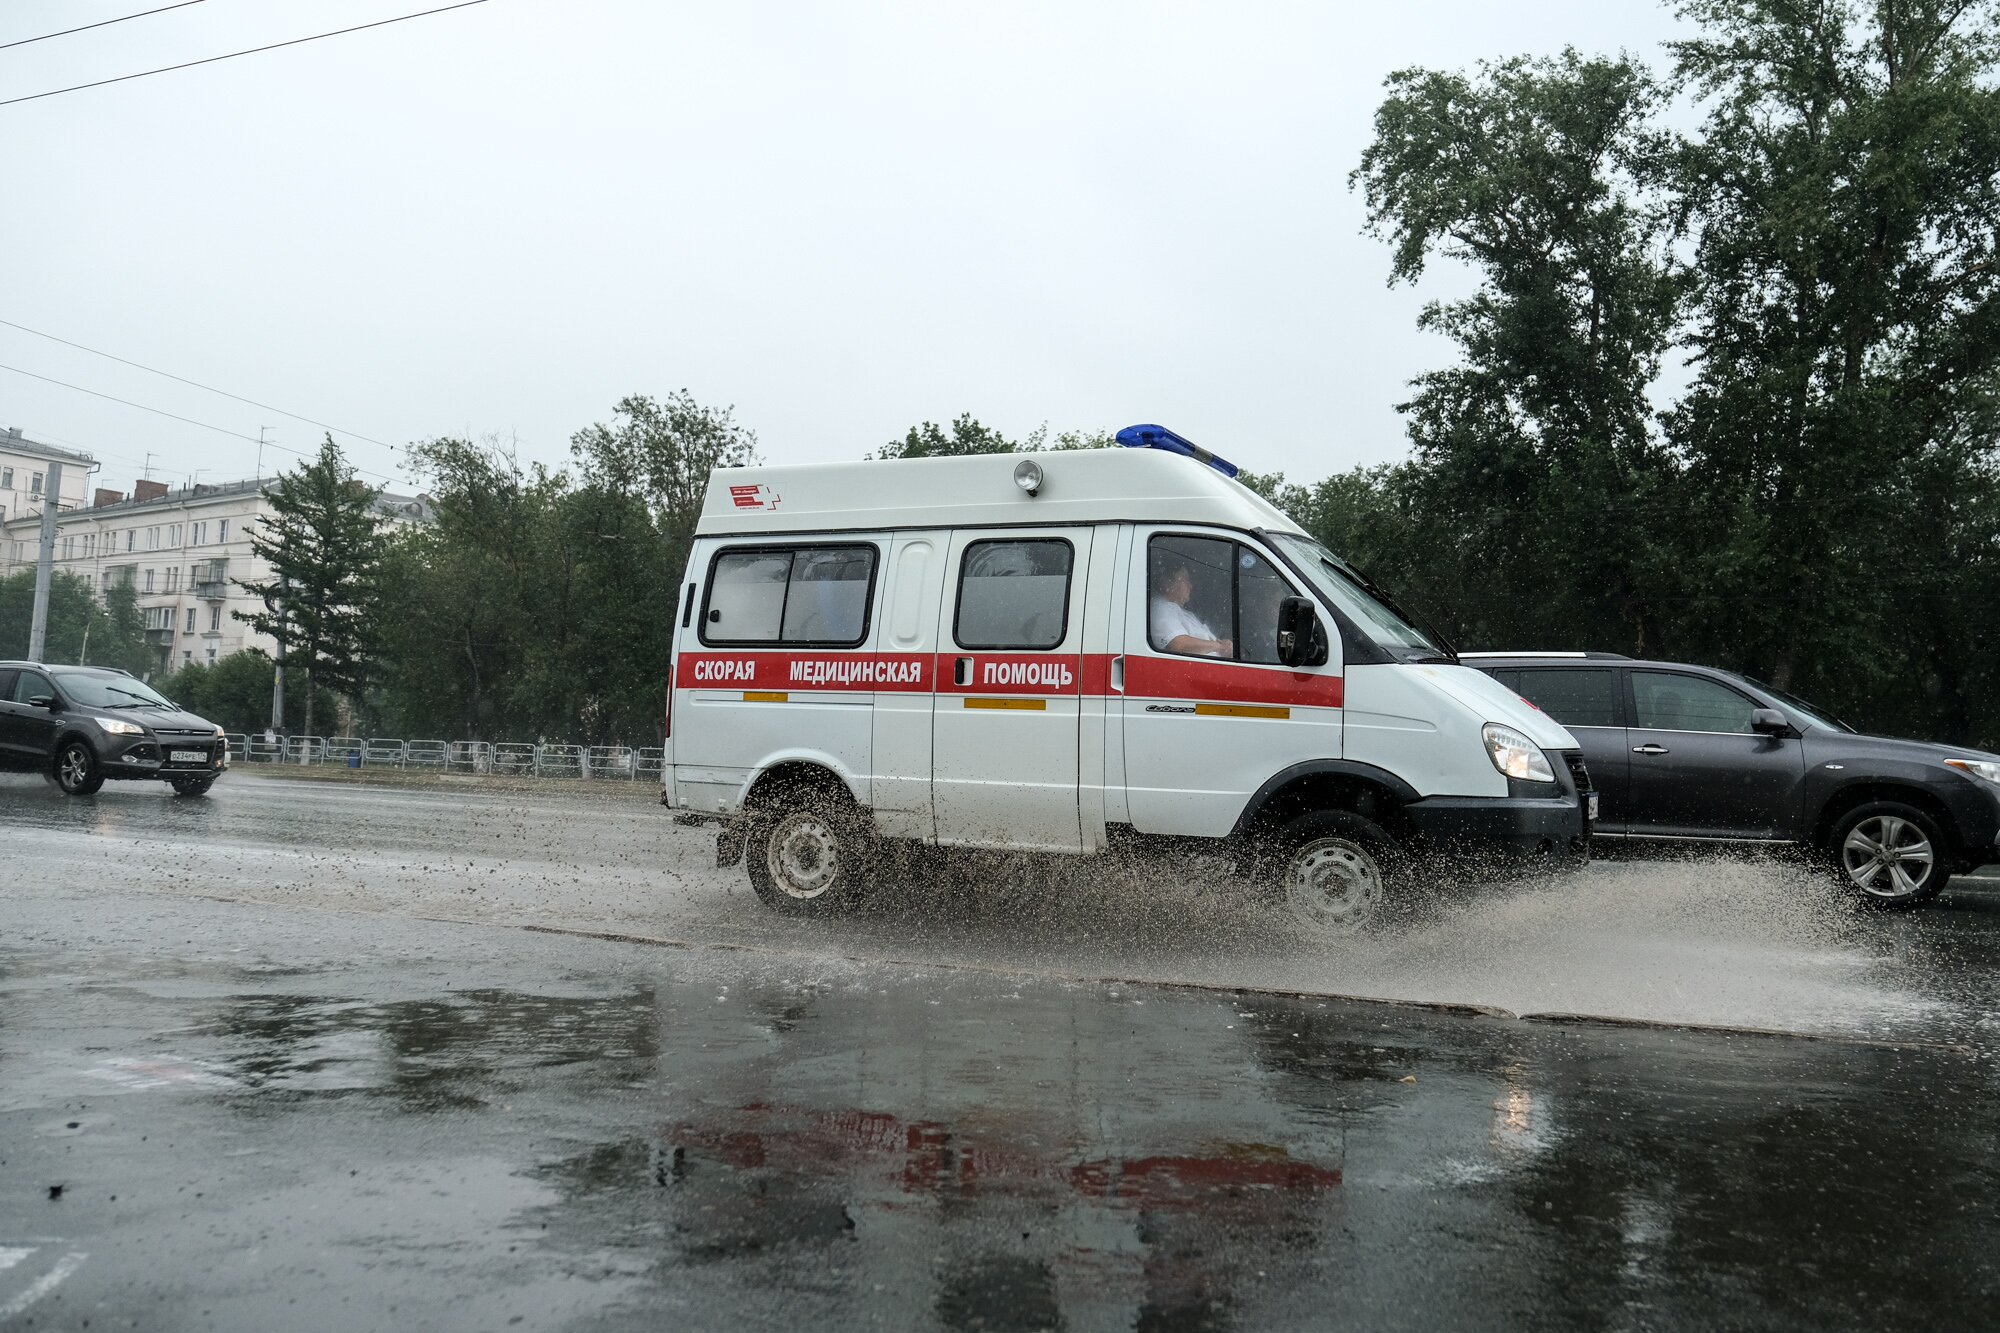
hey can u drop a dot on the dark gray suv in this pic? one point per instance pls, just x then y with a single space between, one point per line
1693 754
82 725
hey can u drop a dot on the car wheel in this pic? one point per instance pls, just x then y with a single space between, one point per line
76 769
806 856
1891 854
1333 871
192 786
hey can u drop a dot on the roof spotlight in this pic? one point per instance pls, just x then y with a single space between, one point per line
1028 476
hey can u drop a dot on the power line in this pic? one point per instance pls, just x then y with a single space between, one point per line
220 430
27 41
207 388
190 64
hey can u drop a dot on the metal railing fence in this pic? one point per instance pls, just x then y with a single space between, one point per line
619 763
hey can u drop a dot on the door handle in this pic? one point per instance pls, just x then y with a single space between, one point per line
1118 674
1650 748
961 672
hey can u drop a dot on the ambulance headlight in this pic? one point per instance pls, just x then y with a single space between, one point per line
1516 755
1028 475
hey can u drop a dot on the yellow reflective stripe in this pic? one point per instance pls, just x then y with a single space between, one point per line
1241 710
1024 705
765 696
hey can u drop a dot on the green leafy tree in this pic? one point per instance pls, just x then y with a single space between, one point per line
324 543
235 692
1542 471
1843 198
929 440
79 628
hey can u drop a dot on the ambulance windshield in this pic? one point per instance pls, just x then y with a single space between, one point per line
1363 604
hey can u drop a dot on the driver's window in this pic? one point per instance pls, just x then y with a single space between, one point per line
1664 701
1210 597
32 685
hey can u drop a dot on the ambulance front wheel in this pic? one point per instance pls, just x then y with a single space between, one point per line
806 856
1333 871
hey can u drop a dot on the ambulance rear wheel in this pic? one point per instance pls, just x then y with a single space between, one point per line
806 857
1332 871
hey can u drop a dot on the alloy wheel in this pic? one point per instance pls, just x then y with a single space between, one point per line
75 767
1887 856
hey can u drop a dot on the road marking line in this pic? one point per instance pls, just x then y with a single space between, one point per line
45 1284
10 1257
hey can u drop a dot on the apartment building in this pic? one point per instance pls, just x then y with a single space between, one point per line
181 549
24 469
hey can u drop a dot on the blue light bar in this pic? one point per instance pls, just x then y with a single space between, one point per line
1159 437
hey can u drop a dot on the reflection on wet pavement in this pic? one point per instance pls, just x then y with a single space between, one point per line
618 1136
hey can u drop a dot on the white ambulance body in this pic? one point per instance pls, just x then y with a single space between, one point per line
1072 653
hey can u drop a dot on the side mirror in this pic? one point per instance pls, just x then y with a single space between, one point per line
1769 722
1301 637
47 701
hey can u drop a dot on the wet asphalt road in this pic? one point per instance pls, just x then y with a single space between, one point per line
320 1107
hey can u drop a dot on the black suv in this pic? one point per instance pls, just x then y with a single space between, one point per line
81 725
1692 754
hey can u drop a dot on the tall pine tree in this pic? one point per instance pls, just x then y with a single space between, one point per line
324 545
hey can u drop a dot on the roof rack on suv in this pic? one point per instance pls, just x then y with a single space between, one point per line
1608 657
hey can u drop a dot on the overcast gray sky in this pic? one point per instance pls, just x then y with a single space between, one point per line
841 218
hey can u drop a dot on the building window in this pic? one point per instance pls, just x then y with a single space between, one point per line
35 484
6 479
189 627
200 535
131 535
187 656
69 548
211 657
152 539
89 545
149 580
214 622
222 530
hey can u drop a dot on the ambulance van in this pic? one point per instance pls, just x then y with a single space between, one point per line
1077 653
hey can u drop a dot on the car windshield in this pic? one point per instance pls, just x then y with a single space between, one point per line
1812 713
94 691
1372 613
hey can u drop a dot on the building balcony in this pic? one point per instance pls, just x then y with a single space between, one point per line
213 592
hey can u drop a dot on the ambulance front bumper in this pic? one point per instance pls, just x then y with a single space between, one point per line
1503 827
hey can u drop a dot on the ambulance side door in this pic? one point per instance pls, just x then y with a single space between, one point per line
1210 714
1007 710
908 638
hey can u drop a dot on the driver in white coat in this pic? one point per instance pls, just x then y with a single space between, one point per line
1174 628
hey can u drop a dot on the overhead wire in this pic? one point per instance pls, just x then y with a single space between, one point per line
102 23
251 51
158 411
207 388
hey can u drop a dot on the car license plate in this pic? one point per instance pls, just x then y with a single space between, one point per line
1591 805
187 756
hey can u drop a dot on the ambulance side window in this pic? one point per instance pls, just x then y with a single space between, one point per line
1014 594
798 595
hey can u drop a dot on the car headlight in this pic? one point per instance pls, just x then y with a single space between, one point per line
119 727
1516 755
1978 768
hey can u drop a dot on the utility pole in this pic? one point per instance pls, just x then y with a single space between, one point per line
38 624
260 451
278 672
